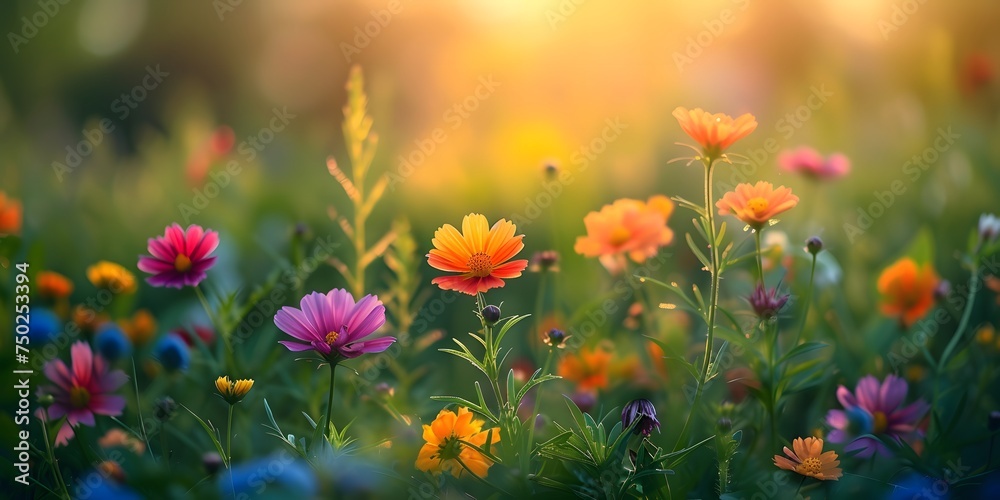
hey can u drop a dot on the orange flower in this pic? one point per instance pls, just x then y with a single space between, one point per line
119 438
907 291
588 368
87 319
626 227
809 460
53 285
756 204
715 133
141 328
480 253
10 215
444 449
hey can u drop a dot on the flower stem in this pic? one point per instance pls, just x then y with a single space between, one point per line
760 263
964 323
163 444
229 437
713 302
329 403
808 302
52 459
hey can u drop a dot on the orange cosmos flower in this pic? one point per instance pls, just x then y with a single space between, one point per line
715 133
444 448
808 459
53 285
907 291
10 215
480 253
626 227
756 204
588 368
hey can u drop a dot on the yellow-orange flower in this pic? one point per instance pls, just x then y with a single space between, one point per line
479 253
233 392
444 449
907 290
626 227
714 132
87 319
10 215
119 438
588 368
809 460
111 276
756 204
141 328
53 285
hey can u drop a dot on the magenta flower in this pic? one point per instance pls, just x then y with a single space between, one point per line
83 392
875 409
809 162
179 258
333 325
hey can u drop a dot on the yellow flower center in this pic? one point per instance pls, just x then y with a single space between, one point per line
182 263
332 337
757 205
620 235
79 397
881 423
809 467
480 265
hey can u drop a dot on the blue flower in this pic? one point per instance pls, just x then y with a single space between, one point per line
278 472
111 342
43 325
106 488
172 353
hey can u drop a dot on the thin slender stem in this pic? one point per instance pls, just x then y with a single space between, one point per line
538 399
229 436
329 403
713 302
973 288
808 302
760 263
52 459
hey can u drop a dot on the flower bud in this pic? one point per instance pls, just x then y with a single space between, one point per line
814 245
491 314
643 413
555 338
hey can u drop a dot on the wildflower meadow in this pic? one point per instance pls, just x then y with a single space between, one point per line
500 249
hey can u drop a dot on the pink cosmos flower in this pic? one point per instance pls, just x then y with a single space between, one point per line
809 162
875 408
82 392
333 325
179 258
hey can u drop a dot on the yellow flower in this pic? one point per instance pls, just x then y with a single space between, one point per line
444 451
233 392
986 334
111 276
809 460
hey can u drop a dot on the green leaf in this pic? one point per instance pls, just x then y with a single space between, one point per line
802 349
211 434
697 252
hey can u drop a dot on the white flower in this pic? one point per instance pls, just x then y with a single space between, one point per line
989 228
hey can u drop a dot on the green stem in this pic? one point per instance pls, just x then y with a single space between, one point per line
52 459
329 403
538 400
713 303
229 436
772 330
808 302
760 263
973 288
219 327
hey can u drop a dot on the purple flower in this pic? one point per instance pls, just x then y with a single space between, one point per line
881 403
180 257
766 303
333 325
82 390
643 411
